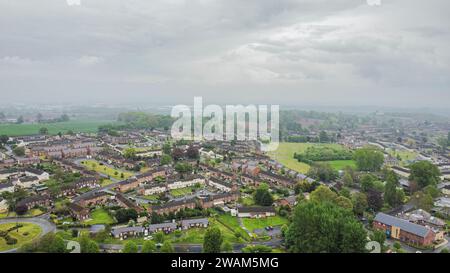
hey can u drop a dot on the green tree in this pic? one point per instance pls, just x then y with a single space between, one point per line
369 159
323 172
360 204
129 153
378 236
344 202
159 237
3 139
166 159
424 173
443 143
392 194
148 247
256 249
19 151
58 245
348 180
227 247
43 131
422 200
213 240
87 245
324 227
262 195
323 194
167 247
130 247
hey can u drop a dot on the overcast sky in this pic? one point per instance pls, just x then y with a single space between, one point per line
304 52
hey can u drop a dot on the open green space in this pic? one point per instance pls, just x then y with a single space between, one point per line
404 155
27 233
30 213
285 155
259 223
182 191
152 197
100 216
341 164
106 170
82 126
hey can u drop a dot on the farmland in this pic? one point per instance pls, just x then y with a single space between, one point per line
82 126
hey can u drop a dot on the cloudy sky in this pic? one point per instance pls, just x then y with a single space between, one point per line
296 52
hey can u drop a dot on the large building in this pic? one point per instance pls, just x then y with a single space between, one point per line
404 230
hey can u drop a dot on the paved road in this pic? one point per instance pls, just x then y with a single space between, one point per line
45 225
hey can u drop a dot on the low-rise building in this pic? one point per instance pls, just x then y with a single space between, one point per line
78 212
194 223
256 212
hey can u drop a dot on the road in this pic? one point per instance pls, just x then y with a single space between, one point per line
45 225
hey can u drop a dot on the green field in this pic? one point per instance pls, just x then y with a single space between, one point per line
181 192
106 170
82 126
285 155
152 197
25 234
341 164
253 223
405 155
100 216
232 223
30 213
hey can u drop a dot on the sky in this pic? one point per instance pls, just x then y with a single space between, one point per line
287 52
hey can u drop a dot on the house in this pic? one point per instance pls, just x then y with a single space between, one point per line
78 212
164 227
446 190
194 223
127 203
150 190
35 200
40 174
187 182
218 199
256 212
128 185
94 198
125 232
221 185
6 186
404 230
27 182
276 179
173 206
289 201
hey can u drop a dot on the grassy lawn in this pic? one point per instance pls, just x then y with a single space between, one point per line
181 192
106 182
100 216
341 164
285 154
252 224
232 223
247 201
152 197
25 234
106 170
32 212
405 155
83 126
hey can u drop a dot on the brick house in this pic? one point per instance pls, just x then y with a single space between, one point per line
78 212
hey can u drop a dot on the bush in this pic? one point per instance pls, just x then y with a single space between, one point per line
10 240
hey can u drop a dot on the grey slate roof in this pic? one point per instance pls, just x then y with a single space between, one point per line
402 224
201 221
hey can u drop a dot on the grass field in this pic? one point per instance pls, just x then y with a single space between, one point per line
152 197
25 234
285 155
82 126
232 223
32 212
341 164
106 170
181 192
100 216
252 224
405 155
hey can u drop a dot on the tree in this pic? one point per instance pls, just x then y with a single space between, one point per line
20 120
324 227
422 200
4 139
19 151
323 137
177 154
130 247
87 245
21 209
148 247
257 249
374 199
369 159
322 194
347 179
166 159
443 143
58 245
424 173
125 215
262 196
227 247
360 204
344 202
167 148
392 195
183 167
39 117
323 172
159 237
212 241
378 236
167 247
129 153
43 131
192 152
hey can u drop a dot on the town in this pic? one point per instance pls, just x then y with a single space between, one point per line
130 187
